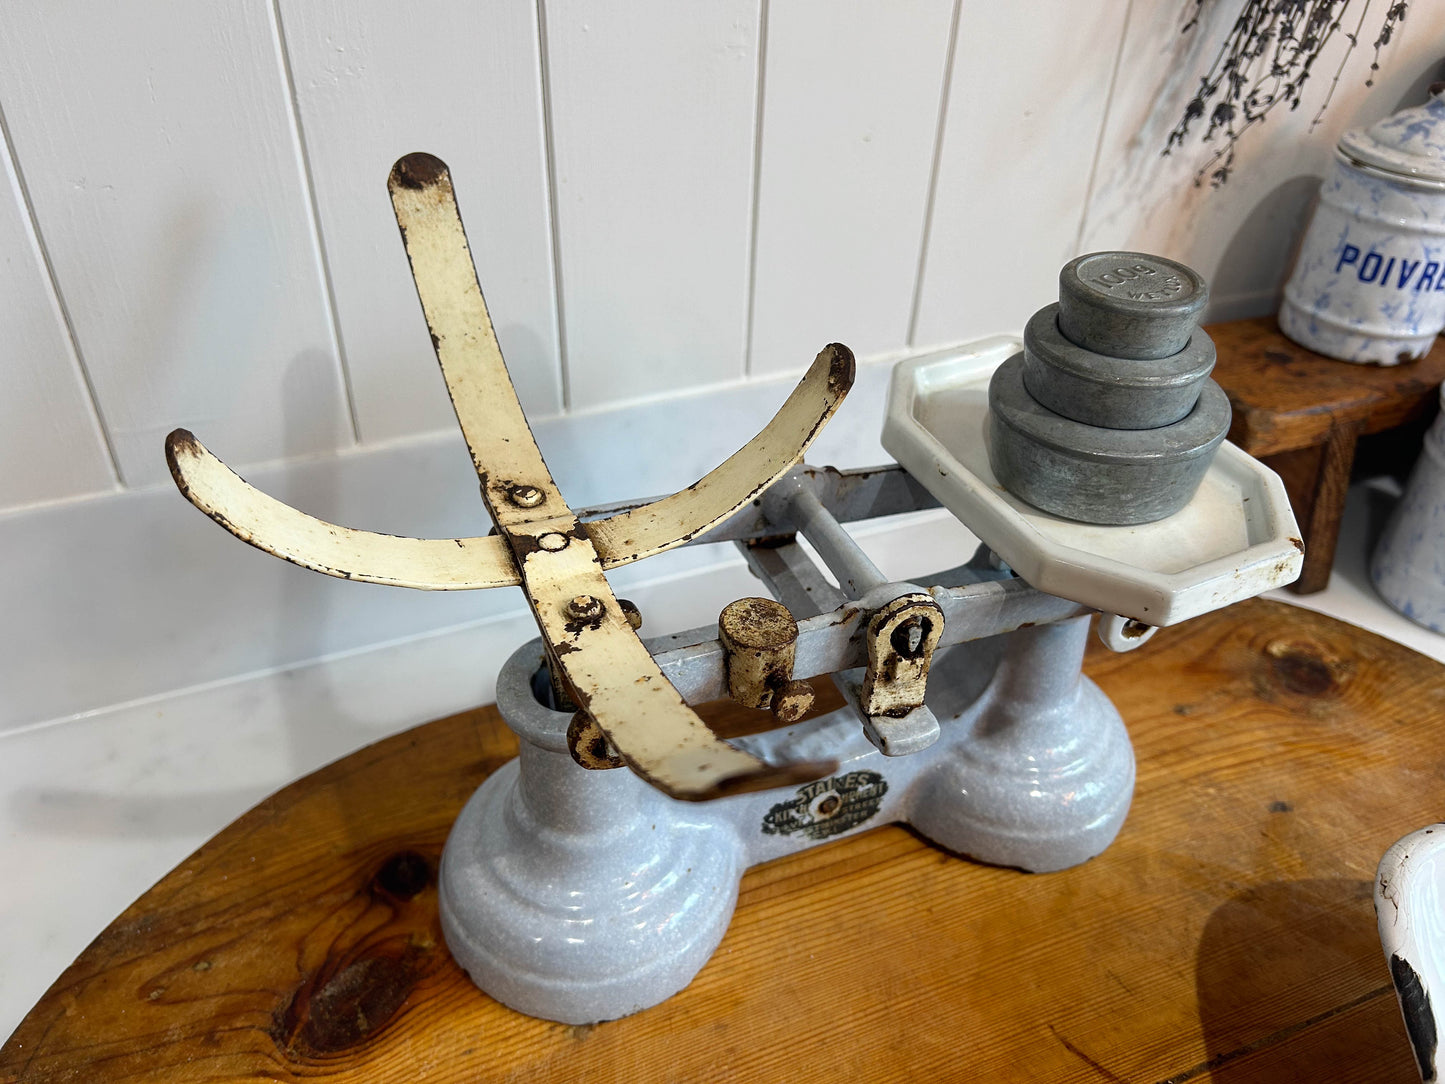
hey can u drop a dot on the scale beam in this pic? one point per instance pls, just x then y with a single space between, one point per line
558 561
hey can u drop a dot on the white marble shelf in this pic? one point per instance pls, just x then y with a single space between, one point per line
94 809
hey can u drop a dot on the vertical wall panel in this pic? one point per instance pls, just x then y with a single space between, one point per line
1027 98
653 111
850 114
157 145
50 443
1241 236
377 80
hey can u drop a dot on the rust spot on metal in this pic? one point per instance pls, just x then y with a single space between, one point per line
183 441
791 701
842 369
759 638
907 639
589 746
1133 629
758 623
901 640
1297 543
585 608
632 613
772 541
418 170
525 544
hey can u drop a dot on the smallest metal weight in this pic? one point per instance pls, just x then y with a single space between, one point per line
1109 416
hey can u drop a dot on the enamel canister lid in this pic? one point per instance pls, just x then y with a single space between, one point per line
1408 145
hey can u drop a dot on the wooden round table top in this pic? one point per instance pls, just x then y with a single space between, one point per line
1227 934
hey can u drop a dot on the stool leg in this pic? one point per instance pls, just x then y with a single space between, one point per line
1317 480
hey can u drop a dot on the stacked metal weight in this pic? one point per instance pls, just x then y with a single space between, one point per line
1109 415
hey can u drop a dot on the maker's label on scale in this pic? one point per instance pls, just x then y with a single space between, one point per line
828 807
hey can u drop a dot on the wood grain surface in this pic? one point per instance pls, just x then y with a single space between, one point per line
1286 397
1227 934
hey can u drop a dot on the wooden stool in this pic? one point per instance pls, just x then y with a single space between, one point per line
1302 414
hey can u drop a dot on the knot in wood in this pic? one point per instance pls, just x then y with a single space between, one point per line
1306 668
403 876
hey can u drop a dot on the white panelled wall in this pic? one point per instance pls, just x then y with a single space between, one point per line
673 208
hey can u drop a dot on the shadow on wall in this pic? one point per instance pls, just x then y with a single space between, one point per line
1292 985
1419 91
1250 278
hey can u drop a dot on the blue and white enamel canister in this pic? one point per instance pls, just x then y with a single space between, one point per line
1369 284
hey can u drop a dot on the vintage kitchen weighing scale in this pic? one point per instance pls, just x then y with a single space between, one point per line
594 875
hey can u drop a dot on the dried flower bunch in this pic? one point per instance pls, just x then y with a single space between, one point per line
1265 60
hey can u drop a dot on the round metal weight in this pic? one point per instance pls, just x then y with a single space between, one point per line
1116 393
1094 475
1129 304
